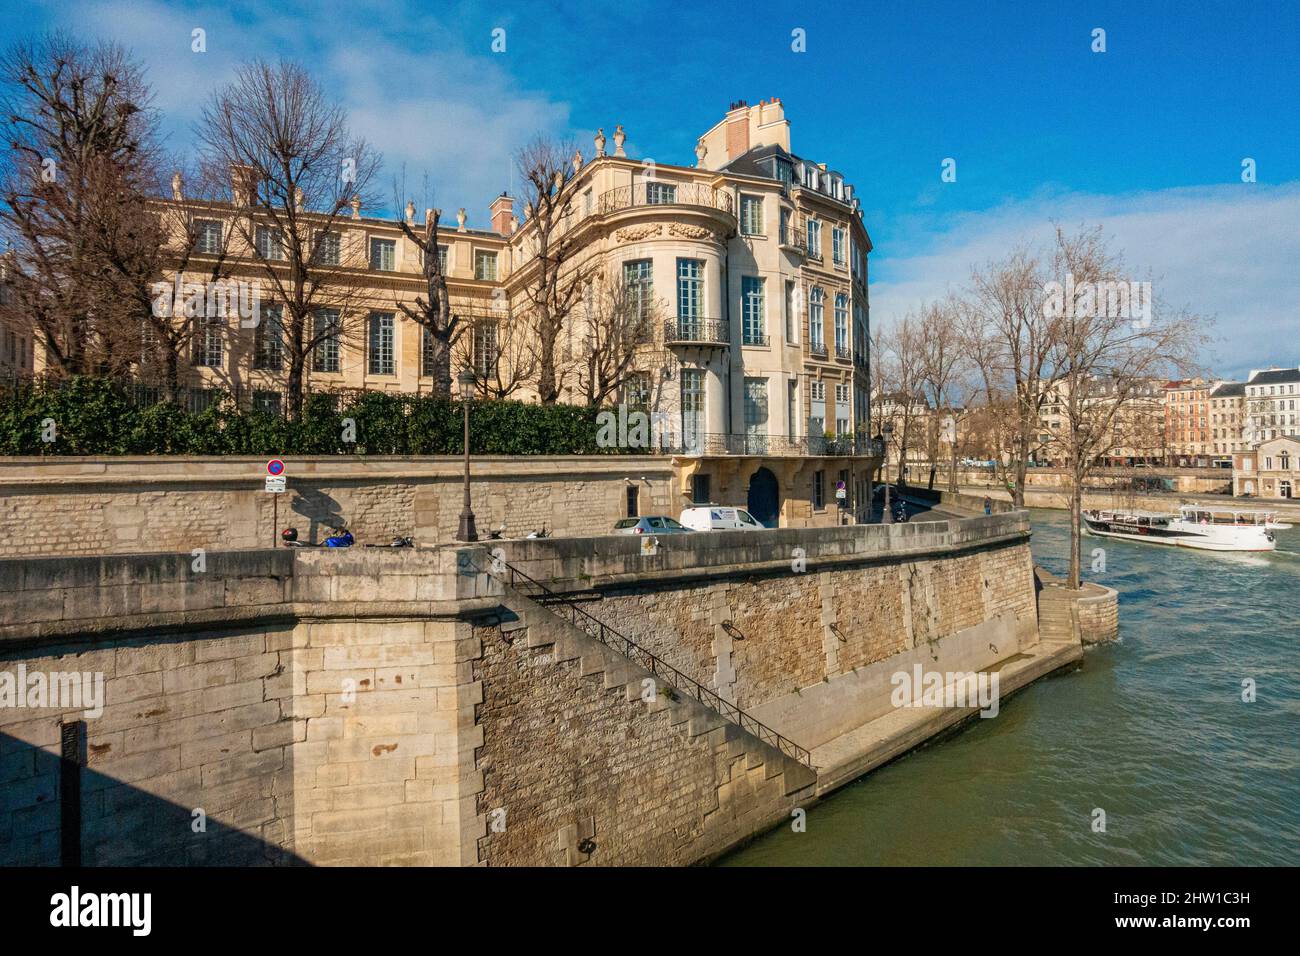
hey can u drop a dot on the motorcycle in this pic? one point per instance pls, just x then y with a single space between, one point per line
342 538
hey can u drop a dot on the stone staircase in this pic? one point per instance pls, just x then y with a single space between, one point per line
1058 612
756 759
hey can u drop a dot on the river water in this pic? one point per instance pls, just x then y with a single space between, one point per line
1152 730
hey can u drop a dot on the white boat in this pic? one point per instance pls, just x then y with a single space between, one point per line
1206 527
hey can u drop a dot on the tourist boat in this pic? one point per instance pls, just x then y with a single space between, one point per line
1207 527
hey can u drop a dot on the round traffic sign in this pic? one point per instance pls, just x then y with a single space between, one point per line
275 467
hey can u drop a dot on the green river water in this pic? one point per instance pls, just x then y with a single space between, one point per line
1152 730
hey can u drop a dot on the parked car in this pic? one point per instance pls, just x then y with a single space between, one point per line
649 524
719 518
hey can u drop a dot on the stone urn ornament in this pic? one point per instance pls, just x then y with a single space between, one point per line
619 138
460 219
600 142
356 207
577 161
700 152
410 212
177 184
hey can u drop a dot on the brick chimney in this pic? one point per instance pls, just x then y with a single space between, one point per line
503 214
243 184
737 129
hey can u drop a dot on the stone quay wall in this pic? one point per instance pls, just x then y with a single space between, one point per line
374 707
85 506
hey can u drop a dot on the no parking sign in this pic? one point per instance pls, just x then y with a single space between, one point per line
275 476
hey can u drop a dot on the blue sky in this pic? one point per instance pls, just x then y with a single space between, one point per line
1146 139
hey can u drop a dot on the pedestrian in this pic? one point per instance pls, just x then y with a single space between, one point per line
988 505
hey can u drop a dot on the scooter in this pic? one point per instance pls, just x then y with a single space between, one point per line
341 539
540 533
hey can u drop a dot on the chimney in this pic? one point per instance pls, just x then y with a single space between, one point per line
503 214
243 184
737 129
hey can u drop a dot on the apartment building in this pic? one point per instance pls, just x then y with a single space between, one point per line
1270 470
1227 421
753 261
1270 410
1187 428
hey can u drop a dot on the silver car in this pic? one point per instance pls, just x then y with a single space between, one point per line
650 524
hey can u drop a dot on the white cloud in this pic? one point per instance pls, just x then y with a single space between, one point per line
409 88
1227 252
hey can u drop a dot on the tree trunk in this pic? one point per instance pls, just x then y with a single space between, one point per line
1076 529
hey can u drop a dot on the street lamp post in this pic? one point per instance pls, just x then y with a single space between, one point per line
886 516
467 530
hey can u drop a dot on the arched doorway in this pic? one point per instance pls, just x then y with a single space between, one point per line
764 498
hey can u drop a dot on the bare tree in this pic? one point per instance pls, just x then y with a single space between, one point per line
1005 299
1103 355
295 168
81 149
943 365
619 322
553 282
497 349
901 401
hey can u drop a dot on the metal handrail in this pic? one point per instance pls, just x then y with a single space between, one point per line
600 631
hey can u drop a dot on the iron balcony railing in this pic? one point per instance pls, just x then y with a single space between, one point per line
817 348
776 446
754 338
665 672
655 192
793 238
692 331
843 351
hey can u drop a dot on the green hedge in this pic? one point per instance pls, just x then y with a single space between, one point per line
97 417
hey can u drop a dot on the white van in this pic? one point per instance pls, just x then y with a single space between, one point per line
719 518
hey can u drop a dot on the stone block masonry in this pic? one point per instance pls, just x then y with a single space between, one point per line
375 707
131 505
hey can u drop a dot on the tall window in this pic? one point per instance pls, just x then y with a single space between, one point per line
751 215
819 490
442 259
638 276
755 414
485 265
270 243
842 410
268 402
792 407
784 235
383 254
690 295
791 313
636 391
817 415
753 315
657 193
842 325
814 239
381 343
325 332
588 203
692 408
485 355
207 239
426 351
208 342
268 339
817 320
837 245
328 248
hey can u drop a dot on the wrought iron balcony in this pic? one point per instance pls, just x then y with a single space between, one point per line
818 349
691 331
657 192
843 352
793 239
753 338
775 446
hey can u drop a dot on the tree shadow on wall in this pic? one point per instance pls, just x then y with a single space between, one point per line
320 510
